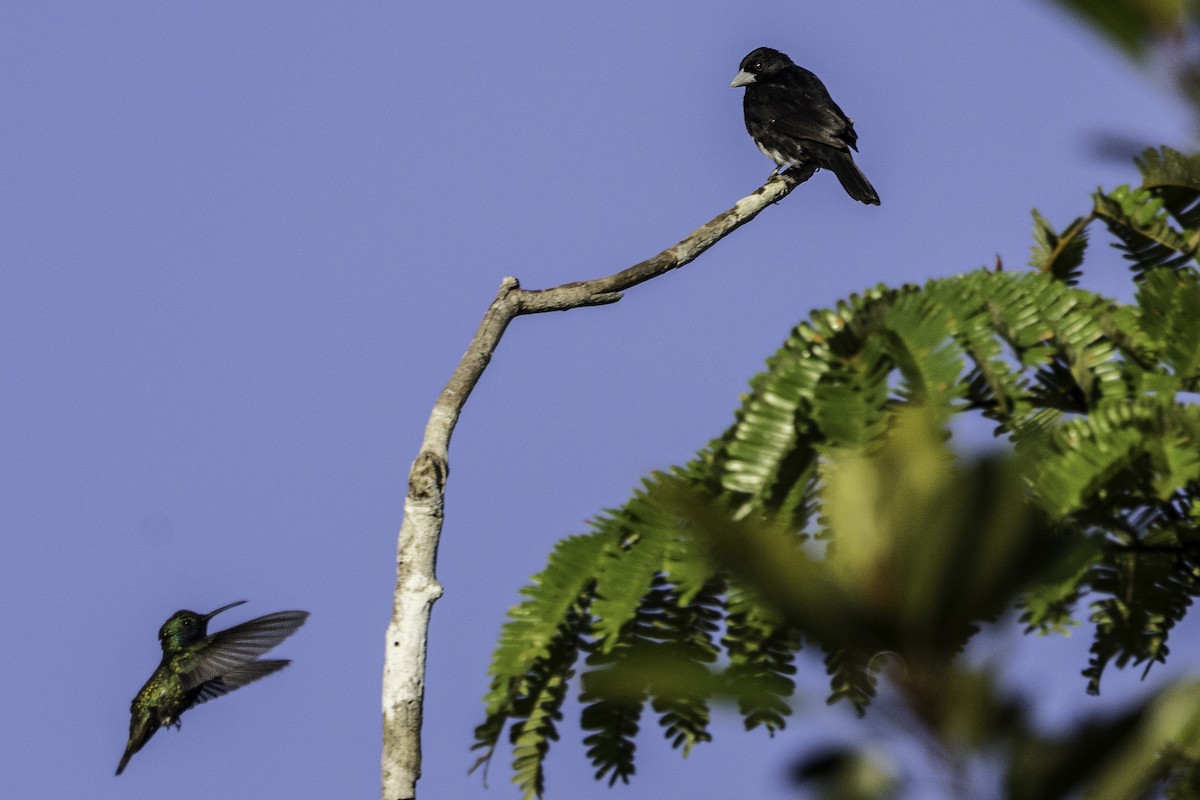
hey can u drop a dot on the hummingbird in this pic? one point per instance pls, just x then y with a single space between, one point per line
197 667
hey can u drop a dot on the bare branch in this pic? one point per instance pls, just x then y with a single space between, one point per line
417 587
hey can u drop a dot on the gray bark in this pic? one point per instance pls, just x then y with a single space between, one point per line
417 587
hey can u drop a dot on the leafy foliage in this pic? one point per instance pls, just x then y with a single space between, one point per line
1133 25
826 514
1058 254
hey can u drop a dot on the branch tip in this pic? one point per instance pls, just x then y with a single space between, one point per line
416 581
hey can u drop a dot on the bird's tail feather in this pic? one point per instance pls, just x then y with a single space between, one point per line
125 760
853 180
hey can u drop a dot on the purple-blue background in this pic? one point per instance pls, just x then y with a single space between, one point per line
242 246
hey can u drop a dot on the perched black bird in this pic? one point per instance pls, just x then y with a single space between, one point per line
795 122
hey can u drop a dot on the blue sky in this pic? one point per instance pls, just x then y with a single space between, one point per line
242 247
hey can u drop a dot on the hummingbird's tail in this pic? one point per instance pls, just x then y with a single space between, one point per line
141 728
124 760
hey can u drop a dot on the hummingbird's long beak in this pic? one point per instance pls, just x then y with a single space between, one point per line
212 614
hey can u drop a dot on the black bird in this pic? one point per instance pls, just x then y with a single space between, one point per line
795 122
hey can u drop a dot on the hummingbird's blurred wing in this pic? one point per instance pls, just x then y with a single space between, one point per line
235 679
227 651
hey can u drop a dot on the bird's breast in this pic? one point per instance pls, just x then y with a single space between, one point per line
770 152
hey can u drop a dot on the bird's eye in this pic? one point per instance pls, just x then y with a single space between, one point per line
757 65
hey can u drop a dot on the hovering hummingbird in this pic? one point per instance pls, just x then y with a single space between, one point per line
197 667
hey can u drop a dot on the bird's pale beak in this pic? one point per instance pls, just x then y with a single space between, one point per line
743 78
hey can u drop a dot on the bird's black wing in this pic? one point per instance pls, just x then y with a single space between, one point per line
801 107
237 647
234 679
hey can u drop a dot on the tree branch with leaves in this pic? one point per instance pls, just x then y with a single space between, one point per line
1091 400
417 588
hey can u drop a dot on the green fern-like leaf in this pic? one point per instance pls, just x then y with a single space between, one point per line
1057 254
1169 168
1142 448
537 650
761 662
553 593
1174 178
611 746
613 699
1048 607
815 373
687 632
623 579
665 629
994 385
920 342
1138 218
851 678
540 709
1170 317
1146 595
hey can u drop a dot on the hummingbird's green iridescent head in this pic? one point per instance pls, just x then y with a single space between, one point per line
186 627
